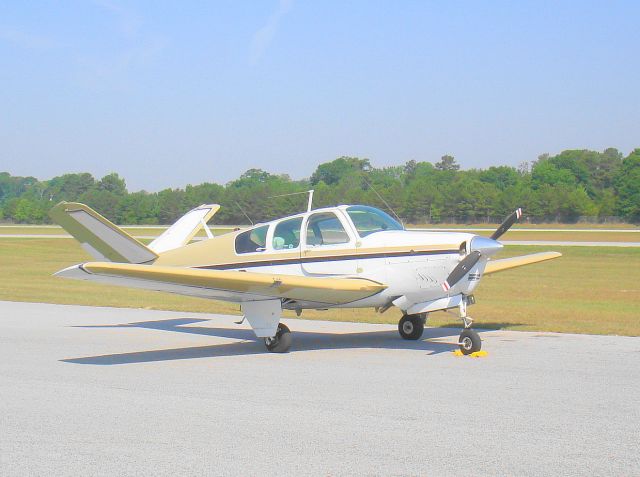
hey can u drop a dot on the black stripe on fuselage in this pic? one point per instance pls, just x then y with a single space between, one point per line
333 258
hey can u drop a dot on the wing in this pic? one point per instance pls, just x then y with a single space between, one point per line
225 284
494 266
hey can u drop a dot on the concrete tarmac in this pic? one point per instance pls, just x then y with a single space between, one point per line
104 391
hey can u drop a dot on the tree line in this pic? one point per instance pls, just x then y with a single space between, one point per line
560 188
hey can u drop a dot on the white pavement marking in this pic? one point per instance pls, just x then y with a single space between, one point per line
106 391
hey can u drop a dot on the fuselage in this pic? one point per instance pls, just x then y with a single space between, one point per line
343 241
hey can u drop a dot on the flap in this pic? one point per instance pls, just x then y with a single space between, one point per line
494 266
183 231
101 238
331 291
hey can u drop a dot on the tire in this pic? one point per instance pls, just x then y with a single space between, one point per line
281 342
470 341
411 327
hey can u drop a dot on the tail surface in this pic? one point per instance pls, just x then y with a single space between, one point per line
101 238
181 233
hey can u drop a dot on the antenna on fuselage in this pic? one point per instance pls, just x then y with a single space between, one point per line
309 203
242 210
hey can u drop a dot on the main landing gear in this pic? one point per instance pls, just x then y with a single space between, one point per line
411 327
281 342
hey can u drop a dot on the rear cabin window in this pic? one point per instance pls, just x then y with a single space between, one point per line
325 229
287 234
254 240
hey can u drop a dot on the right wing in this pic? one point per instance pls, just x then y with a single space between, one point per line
227 284
494 266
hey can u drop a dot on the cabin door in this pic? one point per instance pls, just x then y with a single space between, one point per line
327 247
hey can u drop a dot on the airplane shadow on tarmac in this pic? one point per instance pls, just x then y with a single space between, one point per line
249 344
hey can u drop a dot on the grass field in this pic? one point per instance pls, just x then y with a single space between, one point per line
588 290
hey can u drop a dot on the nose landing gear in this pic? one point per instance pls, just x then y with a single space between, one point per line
469 341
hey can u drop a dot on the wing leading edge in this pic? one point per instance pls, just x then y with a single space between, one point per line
225 284
494 266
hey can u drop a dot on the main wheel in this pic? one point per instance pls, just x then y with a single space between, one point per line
411 327
469 341
281 342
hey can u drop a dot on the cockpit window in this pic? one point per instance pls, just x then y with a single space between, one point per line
287 234
368 220
253 240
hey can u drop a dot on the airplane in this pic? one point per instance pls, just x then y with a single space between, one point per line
348 256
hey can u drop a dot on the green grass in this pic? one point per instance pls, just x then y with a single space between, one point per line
588 290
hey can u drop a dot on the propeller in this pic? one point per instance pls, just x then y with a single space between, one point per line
480 245
506 225
461 269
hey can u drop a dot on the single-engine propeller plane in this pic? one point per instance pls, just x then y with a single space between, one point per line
349 256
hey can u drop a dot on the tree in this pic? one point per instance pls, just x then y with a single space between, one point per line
69 186
564 187
501 176
28 211
627 184
332 172
447 163
113 183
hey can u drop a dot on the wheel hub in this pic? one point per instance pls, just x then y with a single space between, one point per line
407 327
467 344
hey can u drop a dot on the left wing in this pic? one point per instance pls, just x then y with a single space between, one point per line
225 284
494 266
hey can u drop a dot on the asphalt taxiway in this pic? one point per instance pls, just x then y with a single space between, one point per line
105 391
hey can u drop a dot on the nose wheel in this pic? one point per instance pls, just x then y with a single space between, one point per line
469 341
411 327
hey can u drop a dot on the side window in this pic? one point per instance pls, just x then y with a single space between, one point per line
287 234
253 240
325 229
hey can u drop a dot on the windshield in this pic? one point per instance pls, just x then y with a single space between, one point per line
368 220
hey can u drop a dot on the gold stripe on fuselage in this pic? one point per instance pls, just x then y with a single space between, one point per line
219 252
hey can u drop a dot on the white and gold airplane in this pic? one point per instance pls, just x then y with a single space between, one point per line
349 256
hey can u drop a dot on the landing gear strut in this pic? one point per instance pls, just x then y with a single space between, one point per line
469 341
281 342
411 327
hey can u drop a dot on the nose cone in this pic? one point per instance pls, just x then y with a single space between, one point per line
485 246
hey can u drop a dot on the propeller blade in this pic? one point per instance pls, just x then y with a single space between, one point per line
506 225
461 270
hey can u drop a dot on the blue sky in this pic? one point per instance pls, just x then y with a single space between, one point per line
169 93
